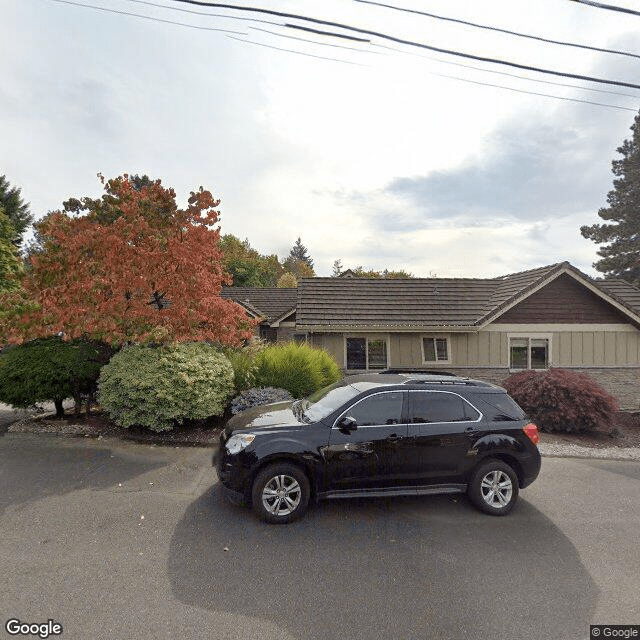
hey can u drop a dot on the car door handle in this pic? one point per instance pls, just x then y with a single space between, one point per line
394 436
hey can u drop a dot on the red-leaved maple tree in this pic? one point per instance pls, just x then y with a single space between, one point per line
132 267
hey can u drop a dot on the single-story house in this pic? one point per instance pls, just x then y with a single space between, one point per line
485 328
275 308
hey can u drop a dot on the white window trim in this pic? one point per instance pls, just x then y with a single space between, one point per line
366 337
530 337
437 336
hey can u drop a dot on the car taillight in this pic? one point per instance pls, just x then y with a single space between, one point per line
532 432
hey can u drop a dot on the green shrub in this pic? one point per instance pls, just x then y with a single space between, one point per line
298 368
561 400
50 369
159 387
243 361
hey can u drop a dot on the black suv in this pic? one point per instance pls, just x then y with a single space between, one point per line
384 434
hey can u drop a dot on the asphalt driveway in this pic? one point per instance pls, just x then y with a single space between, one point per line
119 540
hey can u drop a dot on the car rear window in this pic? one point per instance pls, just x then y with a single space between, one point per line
505 407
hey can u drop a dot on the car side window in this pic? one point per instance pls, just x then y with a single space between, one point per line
381 408
439 407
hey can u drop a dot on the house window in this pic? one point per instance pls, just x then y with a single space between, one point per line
366 353
435 349
529 352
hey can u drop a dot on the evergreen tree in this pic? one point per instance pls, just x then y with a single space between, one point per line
10 261
299 253
620 235
15 208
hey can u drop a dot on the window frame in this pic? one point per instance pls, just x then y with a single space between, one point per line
434 337
367 339
530 337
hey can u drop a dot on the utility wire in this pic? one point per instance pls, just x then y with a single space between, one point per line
490 28
320 44
206 13
138 15
610 7
356 63
394 49
510 75
411 43
533 93
301 53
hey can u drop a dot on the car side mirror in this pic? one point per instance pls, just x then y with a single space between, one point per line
347 424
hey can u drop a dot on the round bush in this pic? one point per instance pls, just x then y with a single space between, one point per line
50 369
159 387
298 368
561 400
258 396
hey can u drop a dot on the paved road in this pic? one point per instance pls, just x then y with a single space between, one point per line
126 541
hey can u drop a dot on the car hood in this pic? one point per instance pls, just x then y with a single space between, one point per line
278 414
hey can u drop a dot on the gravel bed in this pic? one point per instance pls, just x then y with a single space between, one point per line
550 450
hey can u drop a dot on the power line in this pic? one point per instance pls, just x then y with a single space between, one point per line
610 7
510 75
206 13
457 64
301 53
534 93
70 2
320 44
411 43
138 15
490 28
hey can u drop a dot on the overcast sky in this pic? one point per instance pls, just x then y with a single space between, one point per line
364 149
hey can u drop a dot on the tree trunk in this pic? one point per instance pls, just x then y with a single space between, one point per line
59 408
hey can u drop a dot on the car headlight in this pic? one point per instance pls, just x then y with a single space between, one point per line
237 443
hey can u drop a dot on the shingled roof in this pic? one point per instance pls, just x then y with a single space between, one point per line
269 303
325 303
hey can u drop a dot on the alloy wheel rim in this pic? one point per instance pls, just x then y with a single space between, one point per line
496 489
281 495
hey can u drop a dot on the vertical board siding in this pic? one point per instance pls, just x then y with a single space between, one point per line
598 347
576 348
491 348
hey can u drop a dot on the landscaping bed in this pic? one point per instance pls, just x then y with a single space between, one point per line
99 425
623 432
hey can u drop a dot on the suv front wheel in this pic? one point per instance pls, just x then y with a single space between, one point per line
494 488
280 493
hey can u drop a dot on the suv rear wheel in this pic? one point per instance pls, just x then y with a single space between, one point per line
494 488
280 493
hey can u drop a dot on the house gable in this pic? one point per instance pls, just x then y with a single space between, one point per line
563 300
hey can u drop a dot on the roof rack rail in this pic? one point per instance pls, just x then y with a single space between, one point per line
462 381
428 372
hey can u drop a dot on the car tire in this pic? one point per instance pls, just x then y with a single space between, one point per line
494 488
280 493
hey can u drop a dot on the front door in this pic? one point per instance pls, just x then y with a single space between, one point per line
369 455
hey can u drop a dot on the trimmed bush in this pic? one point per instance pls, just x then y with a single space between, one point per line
50 369
258 396
561 400
298 368
160 387
243 361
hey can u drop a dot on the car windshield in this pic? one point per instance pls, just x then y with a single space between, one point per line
323 402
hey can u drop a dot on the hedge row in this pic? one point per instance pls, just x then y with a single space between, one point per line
163 386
